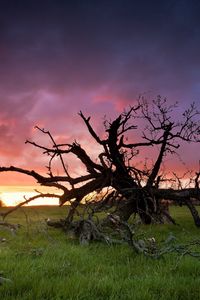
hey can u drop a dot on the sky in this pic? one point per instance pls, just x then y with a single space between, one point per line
60 57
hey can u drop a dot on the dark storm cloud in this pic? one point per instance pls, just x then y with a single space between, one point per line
63 44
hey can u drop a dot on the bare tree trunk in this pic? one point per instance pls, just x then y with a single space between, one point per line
193 211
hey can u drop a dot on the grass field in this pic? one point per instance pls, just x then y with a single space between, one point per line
46 264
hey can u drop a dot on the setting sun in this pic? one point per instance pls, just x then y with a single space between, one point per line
13 195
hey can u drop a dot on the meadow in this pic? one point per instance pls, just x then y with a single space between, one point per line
44 263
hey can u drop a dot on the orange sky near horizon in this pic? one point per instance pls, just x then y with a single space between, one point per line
14 186
13 195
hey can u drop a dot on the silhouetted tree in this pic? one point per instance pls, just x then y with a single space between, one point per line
135 187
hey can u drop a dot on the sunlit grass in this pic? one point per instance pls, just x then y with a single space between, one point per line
44 263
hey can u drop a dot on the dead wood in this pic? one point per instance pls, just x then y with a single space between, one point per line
116 165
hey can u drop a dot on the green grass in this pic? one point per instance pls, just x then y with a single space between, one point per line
44 263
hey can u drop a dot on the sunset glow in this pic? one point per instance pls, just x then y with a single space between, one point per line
14 198
95 56
13 195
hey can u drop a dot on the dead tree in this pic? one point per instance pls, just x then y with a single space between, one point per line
138 185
